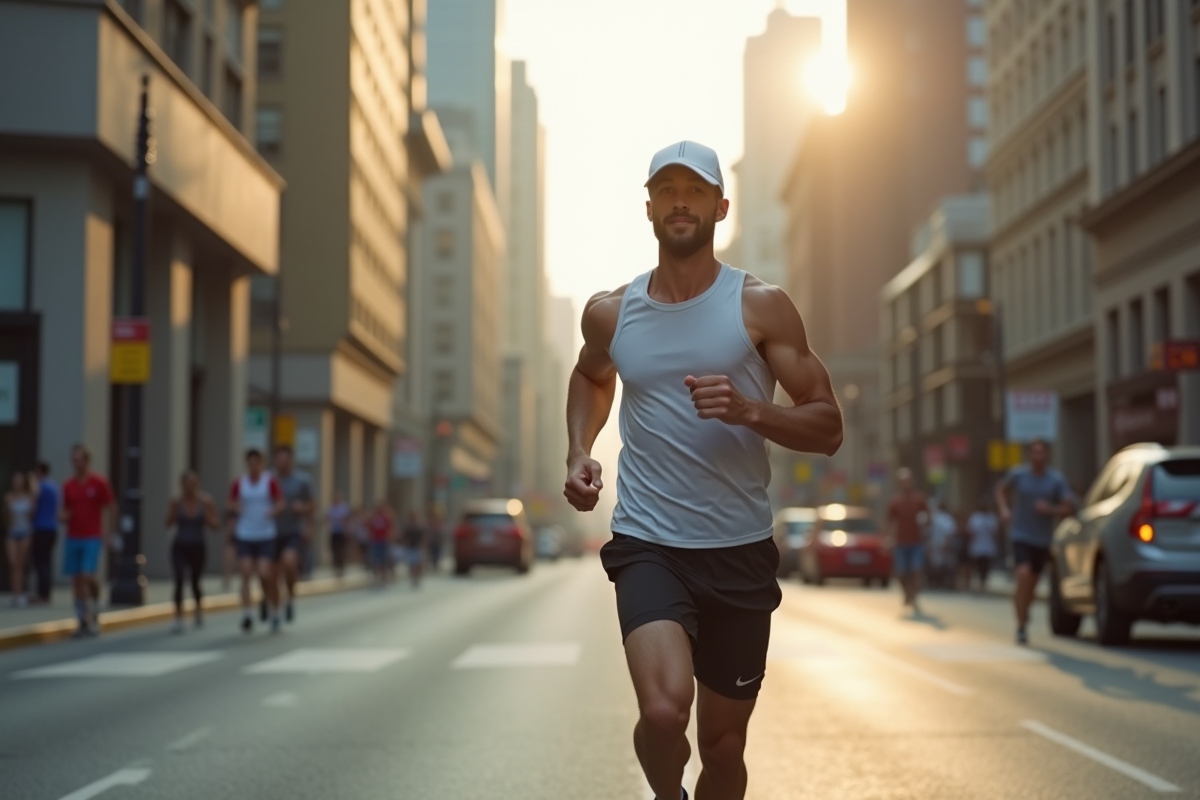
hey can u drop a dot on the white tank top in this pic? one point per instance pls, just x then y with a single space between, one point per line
683 481
255 523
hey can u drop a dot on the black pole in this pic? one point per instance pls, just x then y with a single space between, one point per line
277 326
129 588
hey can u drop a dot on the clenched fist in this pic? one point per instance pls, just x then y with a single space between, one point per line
583 483
715 397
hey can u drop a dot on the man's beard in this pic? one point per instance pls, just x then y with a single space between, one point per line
683 247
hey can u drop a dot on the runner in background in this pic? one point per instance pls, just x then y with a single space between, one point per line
983 532
292 525
382 530
19 506
414 548
255 499
907 512
437 538
45 530
85 498
340 519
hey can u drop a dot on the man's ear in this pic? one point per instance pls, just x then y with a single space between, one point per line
649 214
722 209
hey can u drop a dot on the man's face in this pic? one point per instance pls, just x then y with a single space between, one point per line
906 483
684 209
79 460
254 464
1039 454
283 462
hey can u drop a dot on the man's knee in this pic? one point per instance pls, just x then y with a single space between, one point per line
723 752
665 717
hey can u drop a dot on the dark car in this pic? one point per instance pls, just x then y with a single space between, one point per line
1133 550
791 534
494 533
845 542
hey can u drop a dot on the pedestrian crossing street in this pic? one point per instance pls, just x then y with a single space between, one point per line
363 660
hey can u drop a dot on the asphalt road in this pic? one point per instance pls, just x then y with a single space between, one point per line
500 686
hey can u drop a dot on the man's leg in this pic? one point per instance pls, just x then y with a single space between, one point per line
721 735
1023 596
659 655
246 564
266 573
289 560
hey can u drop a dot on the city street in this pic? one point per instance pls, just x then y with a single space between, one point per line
499 686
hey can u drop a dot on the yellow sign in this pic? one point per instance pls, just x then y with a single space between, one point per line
285 430
129 356
1016 454
1003 455
802 472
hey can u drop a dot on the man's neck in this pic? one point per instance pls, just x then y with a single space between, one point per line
80 477
1038 469
677 280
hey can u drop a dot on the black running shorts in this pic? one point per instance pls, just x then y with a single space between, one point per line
723 597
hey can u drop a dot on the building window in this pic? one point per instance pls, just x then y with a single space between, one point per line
445 244
1114 344
1131 139
977 152
977 71
977 34
234 30
1162 314
443 386
14 255
1130 39
1137 337
206 67
445 202
231 103
1110 49
177 33
1114 157
443 338
970 275
269 130
1158 125
1068 273
270 52
1154 20
443 291
977 112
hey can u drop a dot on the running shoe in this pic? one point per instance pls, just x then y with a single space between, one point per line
276 626
247 624
289 612
262 610
81 632
1022 637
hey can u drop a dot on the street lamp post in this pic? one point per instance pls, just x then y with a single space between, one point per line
129 587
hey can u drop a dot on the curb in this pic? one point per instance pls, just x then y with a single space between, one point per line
57 630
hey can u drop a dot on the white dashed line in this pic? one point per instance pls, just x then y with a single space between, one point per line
121 665
923 674
193 738
122 777
312 661
483 656
281 700
1112 762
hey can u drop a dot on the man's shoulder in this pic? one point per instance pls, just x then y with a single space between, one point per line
600 315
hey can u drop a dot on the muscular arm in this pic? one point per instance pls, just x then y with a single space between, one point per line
814 423
589 399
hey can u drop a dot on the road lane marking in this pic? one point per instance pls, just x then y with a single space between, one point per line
979 652
122 777
281 700
323 660
1112 762
923 674
122 665
485 656
191 739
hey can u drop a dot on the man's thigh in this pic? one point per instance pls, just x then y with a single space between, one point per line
731 651
718 717
659 656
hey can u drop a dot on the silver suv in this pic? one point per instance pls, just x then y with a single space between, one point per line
1133 550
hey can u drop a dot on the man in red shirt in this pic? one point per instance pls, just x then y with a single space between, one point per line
904 536
85 496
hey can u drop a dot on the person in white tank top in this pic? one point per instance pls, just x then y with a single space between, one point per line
254 500
699 347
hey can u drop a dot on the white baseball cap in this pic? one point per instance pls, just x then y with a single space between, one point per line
693 155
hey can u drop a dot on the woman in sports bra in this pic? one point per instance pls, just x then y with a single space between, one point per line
190 514
18 505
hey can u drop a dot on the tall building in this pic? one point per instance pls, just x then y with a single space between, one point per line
859 184
938 367
70 79
1144 214
525 291
774 65
1038 176
333 116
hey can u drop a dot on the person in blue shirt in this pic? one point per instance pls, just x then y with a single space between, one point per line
1031 498
45 530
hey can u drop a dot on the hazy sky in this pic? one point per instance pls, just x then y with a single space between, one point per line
618 80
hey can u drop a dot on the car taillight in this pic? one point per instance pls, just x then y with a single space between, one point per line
1141 527
514 532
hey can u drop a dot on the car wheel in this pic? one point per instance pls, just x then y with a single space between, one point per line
522 568
1112 626
461 568
1062 621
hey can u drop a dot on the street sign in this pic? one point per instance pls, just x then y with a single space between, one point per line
307 447
407 458
1180 356
935 464
129 358
285 431
1032 414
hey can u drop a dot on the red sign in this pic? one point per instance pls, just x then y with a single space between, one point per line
1179 356
129 355
959 447
130 329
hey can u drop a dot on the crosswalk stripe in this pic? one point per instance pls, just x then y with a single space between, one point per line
122 665
324 660
483 656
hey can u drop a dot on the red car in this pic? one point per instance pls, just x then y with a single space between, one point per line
494 533
845 542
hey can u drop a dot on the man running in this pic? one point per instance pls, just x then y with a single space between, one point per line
45 531
256 500
906 513
292 523
1039 496
698 346
85 496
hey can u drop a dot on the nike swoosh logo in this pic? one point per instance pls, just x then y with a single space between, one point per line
741 682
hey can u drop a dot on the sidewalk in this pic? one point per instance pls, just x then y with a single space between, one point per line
34 624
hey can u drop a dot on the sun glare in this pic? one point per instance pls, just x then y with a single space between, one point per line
827 79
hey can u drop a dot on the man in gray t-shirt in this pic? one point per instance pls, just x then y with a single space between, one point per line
1031 499
291 523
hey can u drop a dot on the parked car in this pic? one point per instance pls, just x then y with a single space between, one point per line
493 532
1132 551
845 542
791 533
549 540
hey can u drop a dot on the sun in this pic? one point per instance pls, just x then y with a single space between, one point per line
827 78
